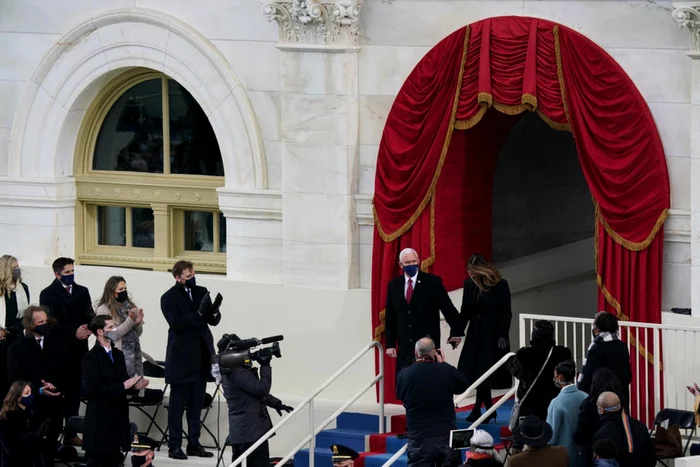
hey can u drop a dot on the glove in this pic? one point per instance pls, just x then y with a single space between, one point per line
502 343
263 358
280 407
217 303
205 306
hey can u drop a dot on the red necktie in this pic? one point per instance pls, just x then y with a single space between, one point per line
409 291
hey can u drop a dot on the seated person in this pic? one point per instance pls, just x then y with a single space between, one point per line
343 456
142 451
535 434
604 453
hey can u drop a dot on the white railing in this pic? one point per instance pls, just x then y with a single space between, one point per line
679 367
309 401
466 394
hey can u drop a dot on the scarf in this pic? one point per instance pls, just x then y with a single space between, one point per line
478 455
628 431
602 337
22 302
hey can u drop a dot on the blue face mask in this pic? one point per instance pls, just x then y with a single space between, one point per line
191 283
411 270
69 279
27 401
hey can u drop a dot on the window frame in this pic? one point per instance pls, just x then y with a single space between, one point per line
164 193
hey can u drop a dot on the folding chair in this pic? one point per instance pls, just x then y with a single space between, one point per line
507 440
152 397
207 405
684 419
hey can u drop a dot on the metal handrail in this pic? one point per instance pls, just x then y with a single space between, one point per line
379 378
464 395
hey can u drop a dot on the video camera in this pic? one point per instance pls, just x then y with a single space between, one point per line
234 352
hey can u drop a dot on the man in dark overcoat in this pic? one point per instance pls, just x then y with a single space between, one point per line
107 431
189 312
413 305
71 306
248 397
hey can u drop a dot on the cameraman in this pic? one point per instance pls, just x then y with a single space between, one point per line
248 396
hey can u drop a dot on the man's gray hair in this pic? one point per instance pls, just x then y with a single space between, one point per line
425 347
406 251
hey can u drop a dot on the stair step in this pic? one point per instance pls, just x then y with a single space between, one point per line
358 421
379 460
394 443
354 439
322 457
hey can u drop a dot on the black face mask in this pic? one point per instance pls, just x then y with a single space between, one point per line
138 461
42 329
122 296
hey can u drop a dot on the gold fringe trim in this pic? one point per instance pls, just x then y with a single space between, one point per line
560 73
637 246
529 101
379 330
552 123
448 138
471 122
484 98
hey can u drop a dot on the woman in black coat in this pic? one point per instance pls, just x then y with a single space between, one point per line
21 431
486 309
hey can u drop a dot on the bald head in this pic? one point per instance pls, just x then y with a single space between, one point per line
425 347
608 402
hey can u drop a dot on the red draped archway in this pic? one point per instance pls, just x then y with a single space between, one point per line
443 134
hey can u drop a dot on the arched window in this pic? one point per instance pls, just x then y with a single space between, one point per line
147 169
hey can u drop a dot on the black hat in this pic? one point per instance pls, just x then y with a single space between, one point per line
532 432
342 453
143 443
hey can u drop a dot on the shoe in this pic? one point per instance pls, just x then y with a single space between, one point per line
74 441
176 453
474 416
491 417
198 451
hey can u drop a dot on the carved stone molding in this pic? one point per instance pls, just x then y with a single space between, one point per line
687 15
317 25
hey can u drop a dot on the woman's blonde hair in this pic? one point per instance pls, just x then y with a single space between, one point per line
12 398
482 273
7 263
109 299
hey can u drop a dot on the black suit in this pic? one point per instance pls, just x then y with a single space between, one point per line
612 355
107 430
612 428
71 310
187 359
248 397
27 361
405 324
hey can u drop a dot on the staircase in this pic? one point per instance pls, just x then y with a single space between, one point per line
359 432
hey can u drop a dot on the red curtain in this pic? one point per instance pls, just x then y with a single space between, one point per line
433 181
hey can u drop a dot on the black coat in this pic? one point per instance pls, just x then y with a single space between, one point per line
71 310
21 446
525 365
13 324
248 397
190 343
427 390
26 361
488 315
612 355
107 427
490 462
612 428
404 324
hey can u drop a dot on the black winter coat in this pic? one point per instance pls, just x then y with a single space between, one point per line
26 361
525 365
71 310
405 324
488 315
21 446
248 398
612 428
612 355
190 343
107 427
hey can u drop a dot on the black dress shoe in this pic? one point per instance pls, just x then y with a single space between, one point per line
176 453
198 451
474 416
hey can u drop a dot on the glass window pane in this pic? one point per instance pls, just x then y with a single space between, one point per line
199 231
131 136
222 233
193 146
111 226
142 227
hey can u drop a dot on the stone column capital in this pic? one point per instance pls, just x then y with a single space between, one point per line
687 15
316 25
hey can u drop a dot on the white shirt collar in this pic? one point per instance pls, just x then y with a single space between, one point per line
414 278
107 349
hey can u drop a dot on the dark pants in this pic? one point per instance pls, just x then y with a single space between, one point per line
51 408
71 394
191 396
483 397
434 451
104 459
403 361
258 458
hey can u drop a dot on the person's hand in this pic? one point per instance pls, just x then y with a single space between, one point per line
134 314
142 384
217 303
502 343
263 358
139 316
205 306
391 353
48 389
454 341
439 356
82 332
129 383
280 407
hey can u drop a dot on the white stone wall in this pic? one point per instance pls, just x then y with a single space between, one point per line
299 128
